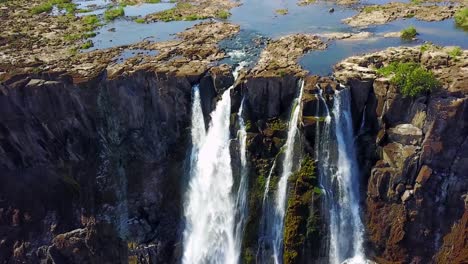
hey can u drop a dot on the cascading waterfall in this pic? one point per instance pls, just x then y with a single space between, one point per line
339 176
241 200
272 222
210 235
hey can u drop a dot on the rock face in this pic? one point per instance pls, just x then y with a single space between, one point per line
414 150
107 150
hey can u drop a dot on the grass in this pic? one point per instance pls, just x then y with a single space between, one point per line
281 11
88 44
113 13
223 14
427 46
177 13
370 9
152 1
455 52
46 7
416 2
411 78
409 33
461 18
42 8
140 20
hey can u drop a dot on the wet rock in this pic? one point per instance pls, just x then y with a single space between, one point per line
406 134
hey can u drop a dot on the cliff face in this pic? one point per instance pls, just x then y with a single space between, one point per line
73 156
95 172
414 157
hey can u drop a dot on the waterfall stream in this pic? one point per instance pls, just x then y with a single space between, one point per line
209 233
214 215
241 199
339 176
272 224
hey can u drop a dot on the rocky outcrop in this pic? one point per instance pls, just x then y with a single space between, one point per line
415 157
280 56
381 14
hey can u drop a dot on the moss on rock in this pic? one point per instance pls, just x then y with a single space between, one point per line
301 222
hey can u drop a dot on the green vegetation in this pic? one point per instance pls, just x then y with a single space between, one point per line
140 20
281 11
461 18
46 7
89 24
416 2
113 13
300 223
427 46
411 78
455 52
277 124
42 8
88 44
152 1
409 33
223 14
370 9
306 2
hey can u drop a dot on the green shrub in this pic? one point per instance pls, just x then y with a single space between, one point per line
409 33
411 78
46 7
140 20
113 13
461 18
281 11
223 14
153 1
42 8
88 44
455 52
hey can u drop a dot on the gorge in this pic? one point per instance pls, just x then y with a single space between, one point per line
218 145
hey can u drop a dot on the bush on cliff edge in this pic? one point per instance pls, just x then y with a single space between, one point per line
411 78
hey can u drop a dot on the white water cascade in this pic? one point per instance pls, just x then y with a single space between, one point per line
241 199
211 234
339 176
271 241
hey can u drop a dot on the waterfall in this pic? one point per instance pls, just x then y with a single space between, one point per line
198 131
272 222
339 176
211 235
241 200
